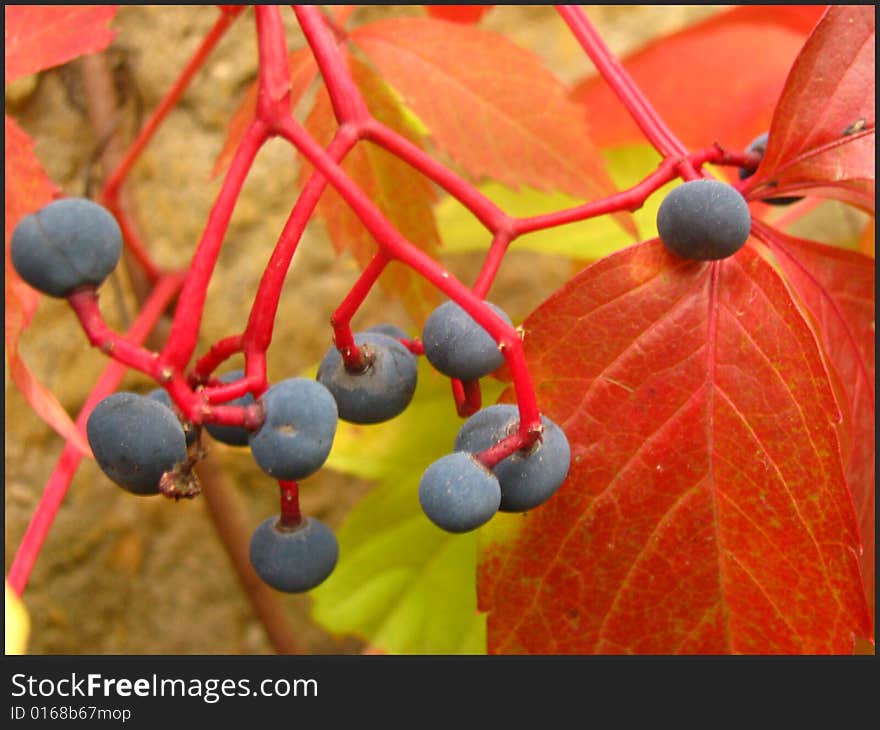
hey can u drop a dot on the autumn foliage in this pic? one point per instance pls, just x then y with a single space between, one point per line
720 414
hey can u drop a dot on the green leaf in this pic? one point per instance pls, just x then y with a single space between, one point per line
586 240
403 584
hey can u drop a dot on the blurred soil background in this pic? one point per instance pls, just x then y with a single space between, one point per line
123 575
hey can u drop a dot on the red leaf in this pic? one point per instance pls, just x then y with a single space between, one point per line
404 196
41 36
837 288
866 242
341 13
822 135
706 510
458 13
491 105
743 56
302 72
28 188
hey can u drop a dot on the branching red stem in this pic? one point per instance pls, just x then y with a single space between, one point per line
199 395
348 105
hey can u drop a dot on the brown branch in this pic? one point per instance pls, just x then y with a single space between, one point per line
227 509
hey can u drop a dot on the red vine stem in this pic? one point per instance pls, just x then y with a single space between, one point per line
85 304
489 214
348 105
467 396
62 475
341 318
218 354
261 322
188 315
492 263
644 115
394 245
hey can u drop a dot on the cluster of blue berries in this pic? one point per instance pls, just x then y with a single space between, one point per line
144 444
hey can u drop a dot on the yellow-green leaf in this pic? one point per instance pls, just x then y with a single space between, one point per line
403 584
586 240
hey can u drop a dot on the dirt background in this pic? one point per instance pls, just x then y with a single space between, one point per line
122 575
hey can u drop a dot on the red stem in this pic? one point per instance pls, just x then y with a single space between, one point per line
348 105
62 475
395 246
341 318
291 516
467 396
640 109
85 304
133 242
631 199
188 315
220 352
273 96
492 263
261 323
489 214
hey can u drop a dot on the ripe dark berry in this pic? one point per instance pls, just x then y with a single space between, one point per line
295 559
379 392
759 144
135 440
704 220
296 437
458 493
68 244
161 395
232 435
459 347
528 478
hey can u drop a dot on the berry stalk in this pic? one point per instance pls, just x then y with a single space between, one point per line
394 245
343 337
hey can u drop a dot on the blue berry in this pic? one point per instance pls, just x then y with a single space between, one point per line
759 144
296 437
232 435
189 430
68 244
528 478
135 440
459 347
458 493
704 220
379 392
295 559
